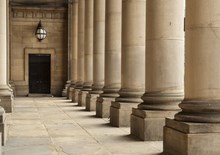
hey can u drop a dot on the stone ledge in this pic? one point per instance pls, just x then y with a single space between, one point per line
152 113
124 105
187 127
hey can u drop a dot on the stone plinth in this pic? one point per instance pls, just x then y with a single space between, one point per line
71 92
103 105
91 102
7 99
82 98
182 138
3 126
75 95
65 90
120 113
148 125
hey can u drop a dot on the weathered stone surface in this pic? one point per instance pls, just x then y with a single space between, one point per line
120 113
60 128
82 98
91 102
3 126
71 93
75 95
184 138
7 100
148 125
103 105
23 24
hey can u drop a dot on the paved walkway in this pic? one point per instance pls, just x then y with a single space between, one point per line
55 126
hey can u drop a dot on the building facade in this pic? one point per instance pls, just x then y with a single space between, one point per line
149 64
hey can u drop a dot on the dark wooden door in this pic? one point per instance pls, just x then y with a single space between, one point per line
39 73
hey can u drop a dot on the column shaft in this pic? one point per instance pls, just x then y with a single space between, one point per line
99 46
69 67
88 66
74 48
88 78
98 54
201 105
74 42
81 43
112 57
80 50
3 44
5 91
133 61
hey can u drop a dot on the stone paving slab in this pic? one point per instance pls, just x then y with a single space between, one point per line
55 126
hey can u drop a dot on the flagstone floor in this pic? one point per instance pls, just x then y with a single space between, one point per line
55 126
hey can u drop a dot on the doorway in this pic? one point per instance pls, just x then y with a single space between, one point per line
39 73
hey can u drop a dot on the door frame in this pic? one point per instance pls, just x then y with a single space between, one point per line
50 51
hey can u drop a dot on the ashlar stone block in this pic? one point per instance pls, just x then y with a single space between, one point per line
184 138
82 98
91 102
120 113
148 125
103 105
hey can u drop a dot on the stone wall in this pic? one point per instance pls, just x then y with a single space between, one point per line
23 24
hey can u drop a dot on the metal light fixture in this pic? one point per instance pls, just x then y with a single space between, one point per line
40 32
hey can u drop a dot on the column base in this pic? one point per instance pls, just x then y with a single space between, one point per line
103 105
120 113
91 102
75 95
147 125
7 98
82 98
185 138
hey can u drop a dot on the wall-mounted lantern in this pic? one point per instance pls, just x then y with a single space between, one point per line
40 32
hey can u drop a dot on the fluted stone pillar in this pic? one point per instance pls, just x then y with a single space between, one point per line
197 126
98 54
112 58
80 50
133 62
74 48
164 69
88 66
6 95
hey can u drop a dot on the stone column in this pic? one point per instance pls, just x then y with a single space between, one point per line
98 54
164 69
68 83
6 95
197 126
74 49
112 57
133 62
88 77
80 50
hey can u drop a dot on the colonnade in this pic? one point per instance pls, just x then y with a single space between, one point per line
130 60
